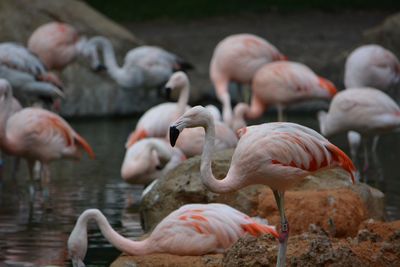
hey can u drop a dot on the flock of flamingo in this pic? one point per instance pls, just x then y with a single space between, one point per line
277 154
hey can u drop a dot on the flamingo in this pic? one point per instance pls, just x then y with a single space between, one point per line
144 66
193 229
370 66
37 134
148 159
283 83
366 111
155 121
27 74
275 154
237 58
56 44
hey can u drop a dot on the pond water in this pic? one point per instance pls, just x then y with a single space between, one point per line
35 233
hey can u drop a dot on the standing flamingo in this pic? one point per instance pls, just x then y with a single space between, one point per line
155 122
193 229
27 74
370 66
148 159
367 111
237 58
283 83
37 134
56 44
144 66
275 154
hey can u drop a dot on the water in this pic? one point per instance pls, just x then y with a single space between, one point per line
36 234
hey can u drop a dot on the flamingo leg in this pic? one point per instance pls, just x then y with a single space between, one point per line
366 160
45 179
31 164
284 235
281 116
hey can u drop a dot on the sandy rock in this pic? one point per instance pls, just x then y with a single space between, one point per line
87 93
167 260
330 190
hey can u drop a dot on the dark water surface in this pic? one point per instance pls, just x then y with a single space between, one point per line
36 234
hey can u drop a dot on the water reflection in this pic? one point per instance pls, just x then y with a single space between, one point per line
35 233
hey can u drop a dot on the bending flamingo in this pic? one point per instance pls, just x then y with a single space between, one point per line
367 111
148 159
284 83
275 154
27 74
37 134
155 122
56 44
144 66
370 66
194 229
236 59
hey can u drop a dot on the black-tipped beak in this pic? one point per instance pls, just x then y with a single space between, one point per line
168 92
100 67
173 135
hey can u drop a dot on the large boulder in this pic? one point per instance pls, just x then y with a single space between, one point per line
329 190
87 93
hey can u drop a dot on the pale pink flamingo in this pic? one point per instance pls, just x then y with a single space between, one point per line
37 134
148 159
370 66
27 74
367 111
193 229
281 84
56 44
144 66
155 122
275 154
236 59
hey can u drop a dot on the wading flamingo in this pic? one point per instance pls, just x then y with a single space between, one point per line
278 155
37 134
27 74
148 159
370 66
284 83
155 122
193 229
367 111
56 44
144 66
236 59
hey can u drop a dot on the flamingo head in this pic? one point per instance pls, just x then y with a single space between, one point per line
178 80
77 241
197 116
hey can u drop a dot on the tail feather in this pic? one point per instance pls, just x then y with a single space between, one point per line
136 136
343 160
256 229
85 145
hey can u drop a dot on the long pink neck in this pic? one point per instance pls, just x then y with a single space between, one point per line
228 184
121 243
256 109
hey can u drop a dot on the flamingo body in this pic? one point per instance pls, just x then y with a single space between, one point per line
194 229
237 58
371 66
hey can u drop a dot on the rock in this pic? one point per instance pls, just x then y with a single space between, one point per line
167 260
328 199
87 93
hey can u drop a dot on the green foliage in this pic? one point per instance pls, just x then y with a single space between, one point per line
130 10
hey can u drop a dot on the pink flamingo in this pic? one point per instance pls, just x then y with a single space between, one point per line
155 122
56 44
370 66
275 154
148 159
194 229
366 111
37 134
283 83
237 58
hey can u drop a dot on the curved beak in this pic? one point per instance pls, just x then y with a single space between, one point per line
100 67
173 134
